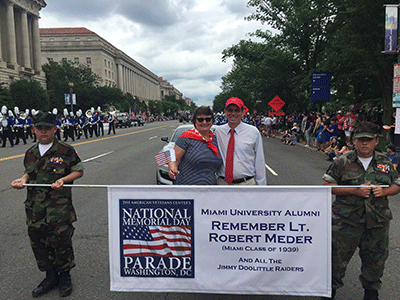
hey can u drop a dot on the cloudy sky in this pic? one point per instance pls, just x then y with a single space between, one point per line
179 40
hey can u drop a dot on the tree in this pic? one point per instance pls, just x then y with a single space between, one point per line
5 98
343 37
28 94
260 72
361 72
60 74
304 28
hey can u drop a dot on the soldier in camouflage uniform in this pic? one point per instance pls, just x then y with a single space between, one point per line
361 215
49 210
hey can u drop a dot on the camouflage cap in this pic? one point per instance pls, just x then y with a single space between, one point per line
44 119
366 130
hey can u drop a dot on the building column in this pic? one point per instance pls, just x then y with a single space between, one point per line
26 55
2 63
130 82
120 77
11 42
37 63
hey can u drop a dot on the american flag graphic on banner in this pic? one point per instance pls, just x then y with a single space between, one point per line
165 157
156 240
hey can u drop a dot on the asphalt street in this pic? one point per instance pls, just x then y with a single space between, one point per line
128 159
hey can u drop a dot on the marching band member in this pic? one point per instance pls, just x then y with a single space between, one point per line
58 124
28 125
34 113
111 122
69 130
8 129
101 122
93 123
19 127
65 124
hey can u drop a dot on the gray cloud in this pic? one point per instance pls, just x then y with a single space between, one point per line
237 7
154 13
180 40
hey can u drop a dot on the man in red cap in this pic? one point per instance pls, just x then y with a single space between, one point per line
241 148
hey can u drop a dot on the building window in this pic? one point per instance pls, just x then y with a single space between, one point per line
89 39
105 71
109 64
77 39
51 39
49 59
105 63
76 60
88 60
109 74
65 39
112 74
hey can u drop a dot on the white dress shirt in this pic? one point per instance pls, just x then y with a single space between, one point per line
248 159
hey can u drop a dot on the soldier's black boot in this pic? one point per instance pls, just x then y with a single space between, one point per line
65 286
49 283
371 295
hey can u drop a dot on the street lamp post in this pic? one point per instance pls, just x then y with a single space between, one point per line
71 90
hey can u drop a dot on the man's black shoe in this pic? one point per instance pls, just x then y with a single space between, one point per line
49 283
371 295
65 287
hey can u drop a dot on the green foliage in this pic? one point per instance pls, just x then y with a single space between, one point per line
60 74
342 37
29 94
260 72
5 97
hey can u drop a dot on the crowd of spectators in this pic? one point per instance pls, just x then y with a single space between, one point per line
329 133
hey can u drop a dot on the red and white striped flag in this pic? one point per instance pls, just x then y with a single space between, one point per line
156 240
165 157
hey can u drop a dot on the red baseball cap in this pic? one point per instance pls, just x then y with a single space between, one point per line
234 100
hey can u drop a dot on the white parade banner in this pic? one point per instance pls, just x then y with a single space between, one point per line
215 239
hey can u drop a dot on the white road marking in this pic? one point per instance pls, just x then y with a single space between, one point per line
271 170
98 156
153 137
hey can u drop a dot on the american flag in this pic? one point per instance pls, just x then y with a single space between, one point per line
165 157
156 240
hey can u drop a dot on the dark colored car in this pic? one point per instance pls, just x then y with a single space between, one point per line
123 120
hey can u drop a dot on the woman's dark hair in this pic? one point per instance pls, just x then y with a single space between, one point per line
202 110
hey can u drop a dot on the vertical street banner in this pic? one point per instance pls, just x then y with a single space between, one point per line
391 29
215 239
321 86
396 86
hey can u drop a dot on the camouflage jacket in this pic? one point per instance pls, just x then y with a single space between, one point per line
45 205
348 170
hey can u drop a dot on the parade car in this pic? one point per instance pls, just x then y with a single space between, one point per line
162 172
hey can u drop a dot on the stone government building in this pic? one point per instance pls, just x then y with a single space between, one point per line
20 56
115 68
24 48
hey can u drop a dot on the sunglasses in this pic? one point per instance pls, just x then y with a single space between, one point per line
231 110
201 120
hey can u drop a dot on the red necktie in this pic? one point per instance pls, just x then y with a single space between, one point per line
229 158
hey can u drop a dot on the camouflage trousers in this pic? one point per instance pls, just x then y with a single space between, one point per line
52 247
373 244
